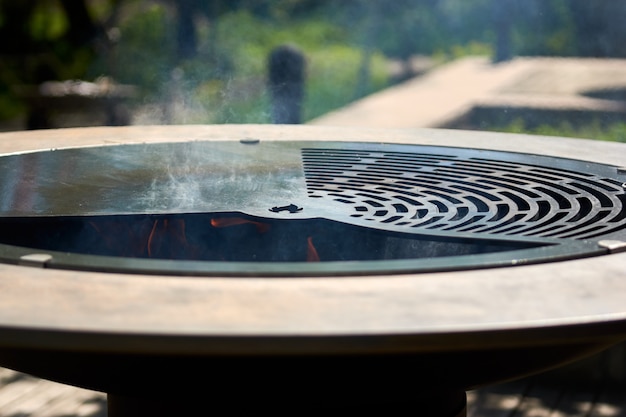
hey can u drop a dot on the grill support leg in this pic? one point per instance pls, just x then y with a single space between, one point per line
452 404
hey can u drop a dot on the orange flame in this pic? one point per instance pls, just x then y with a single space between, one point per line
311 253
165 230
235 221
151 237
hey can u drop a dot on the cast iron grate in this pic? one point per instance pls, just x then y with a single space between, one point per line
452 193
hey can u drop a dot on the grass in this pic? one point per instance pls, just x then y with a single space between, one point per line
331 73
615 132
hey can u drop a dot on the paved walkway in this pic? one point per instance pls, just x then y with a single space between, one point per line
22 395
445 95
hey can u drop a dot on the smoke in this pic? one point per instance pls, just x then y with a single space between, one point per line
205 177
188 101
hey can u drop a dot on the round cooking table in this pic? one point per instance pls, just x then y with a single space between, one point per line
162 344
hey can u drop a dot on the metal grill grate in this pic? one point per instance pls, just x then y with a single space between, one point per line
447 192
411 208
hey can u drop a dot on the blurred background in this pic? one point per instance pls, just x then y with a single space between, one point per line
194 61
557 67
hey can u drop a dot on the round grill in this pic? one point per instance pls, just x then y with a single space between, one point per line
457 328
269 208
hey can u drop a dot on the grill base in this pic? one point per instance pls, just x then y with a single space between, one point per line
139 385
453 404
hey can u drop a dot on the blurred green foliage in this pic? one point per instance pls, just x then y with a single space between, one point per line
145 51
332 65
614 132
212 54
225 81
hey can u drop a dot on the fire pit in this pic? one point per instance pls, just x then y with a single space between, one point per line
305 268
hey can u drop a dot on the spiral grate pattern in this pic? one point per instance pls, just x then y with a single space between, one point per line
447 192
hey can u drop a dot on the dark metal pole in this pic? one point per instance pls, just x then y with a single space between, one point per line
286 68
502 17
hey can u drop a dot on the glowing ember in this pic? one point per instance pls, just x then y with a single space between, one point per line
164 232
226 237
236 221
311 252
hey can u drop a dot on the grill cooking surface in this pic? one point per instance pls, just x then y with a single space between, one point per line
429 191
421 207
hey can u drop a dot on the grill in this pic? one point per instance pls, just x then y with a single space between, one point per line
348 256
256 208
